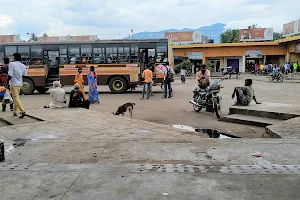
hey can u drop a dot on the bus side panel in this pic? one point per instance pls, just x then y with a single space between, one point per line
39 80
37 74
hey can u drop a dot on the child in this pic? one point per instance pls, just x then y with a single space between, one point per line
6 98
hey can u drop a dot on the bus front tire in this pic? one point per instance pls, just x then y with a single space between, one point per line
27 86
118 85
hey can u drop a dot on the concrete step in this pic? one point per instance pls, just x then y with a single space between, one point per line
268 110
250 120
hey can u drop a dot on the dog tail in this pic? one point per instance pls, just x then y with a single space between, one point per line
133 104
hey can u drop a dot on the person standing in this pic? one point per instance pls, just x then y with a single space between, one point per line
4 69
182 75
256 68
147 75
16 71
79 80
168 79
295 66
92 81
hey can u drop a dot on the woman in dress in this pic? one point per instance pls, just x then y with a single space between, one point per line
79 80
92 81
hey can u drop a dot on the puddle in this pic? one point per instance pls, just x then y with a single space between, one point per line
18 142
212 133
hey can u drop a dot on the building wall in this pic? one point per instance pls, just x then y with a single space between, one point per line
294 57
230 51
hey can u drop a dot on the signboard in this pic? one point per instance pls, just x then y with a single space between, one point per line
291 28
184 37
196 55
10 38
68 38
297 48
256 34
254 54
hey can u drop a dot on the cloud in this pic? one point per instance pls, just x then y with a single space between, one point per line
112 18
5 20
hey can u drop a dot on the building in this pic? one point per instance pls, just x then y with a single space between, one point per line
240 54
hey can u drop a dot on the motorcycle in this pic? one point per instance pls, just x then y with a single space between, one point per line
208 97
278 77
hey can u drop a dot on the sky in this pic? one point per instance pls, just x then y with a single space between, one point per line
113 18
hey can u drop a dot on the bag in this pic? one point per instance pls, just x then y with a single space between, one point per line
7 98
169 77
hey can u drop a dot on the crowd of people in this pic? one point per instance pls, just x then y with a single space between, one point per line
15 71
288 67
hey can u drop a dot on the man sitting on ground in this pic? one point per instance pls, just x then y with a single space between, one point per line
77 98
58 96
244 95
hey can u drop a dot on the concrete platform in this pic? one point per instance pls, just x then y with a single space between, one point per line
83 154
268 110
286 129
250 120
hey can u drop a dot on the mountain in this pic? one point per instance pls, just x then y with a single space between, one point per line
212 32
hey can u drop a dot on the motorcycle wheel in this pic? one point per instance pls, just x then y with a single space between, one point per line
280 78
197 108
217 107
271 77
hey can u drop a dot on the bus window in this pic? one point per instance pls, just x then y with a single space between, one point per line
99 55
74 54
134 53
86 54
9 52
36 55
162 52
124 54
63 58
24 51
111 55
1 58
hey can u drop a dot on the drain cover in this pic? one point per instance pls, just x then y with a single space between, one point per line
232 169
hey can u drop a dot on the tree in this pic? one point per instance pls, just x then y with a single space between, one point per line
277 36
230 36
253 26
45 35
33 37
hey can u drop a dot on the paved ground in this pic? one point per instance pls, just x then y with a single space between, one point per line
178 111
82 154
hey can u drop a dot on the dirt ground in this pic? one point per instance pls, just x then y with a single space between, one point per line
178 110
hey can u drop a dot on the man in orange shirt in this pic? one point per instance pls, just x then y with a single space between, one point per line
147 75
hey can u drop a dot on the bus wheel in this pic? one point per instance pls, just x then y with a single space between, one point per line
118 85
28 86
42 89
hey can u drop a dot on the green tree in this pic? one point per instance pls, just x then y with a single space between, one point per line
186 64
45 35
230 36
33 37
277 36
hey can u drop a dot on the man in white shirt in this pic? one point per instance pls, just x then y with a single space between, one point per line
16 71
58 96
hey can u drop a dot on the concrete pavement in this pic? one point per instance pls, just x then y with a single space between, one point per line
84 154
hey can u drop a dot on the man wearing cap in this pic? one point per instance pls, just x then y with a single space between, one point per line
16 72
58 96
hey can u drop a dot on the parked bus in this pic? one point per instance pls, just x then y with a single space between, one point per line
118 63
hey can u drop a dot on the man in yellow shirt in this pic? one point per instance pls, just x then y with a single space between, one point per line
147 75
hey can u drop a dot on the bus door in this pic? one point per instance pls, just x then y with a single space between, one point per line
51 59
147 57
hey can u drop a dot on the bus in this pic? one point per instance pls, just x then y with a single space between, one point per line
118 63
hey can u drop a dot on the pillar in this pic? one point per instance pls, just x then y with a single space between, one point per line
265 59
287 57
243 64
